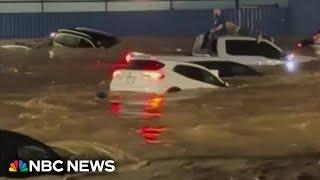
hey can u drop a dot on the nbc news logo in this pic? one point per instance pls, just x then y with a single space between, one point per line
58 166
18 166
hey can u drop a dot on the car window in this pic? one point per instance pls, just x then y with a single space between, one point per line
189 72
33 152
66 40
252 48
197 74
269 51
83 43
145 65
211 79
242 47
229 69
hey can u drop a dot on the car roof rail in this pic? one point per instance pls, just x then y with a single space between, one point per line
92 30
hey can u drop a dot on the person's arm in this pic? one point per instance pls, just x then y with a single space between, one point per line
220 27
220 23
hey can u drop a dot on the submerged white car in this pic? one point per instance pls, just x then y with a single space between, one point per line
149 75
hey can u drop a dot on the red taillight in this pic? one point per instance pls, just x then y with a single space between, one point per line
116 107
299 45
152 134
153 75
116 73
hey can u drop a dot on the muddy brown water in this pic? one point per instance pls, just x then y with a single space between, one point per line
241 131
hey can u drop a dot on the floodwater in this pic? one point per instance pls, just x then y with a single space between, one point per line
260 127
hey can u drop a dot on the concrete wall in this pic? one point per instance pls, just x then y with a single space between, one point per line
301 18
152 23
12 6
73 7
19 7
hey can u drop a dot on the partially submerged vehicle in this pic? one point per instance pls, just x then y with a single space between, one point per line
82 37
152 75
81 43
15 146
82 51
314 41
72 45
246 50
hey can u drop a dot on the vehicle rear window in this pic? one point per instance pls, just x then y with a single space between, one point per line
145 65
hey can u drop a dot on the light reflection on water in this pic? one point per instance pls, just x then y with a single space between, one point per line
150 108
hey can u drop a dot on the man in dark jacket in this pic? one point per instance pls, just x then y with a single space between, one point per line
219 23
219 29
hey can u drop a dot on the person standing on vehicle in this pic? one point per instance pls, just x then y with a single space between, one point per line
218 29
219 23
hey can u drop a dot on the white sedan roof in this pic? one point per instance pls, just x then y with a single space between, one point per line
175 60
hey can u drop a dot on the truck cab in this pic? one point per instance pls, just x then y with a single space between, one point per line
250 51
246 50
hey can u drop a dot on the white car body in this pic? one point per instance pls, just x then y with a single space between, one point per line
139 80
222 54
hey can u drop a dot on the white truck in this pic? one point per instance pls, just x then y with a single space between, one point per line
241 49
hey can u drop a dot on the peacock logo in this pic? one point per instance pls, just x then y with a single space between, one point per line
18 166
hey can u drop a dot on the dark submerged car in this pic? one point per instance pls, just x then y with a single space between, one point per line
310 41
81 43
15 146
